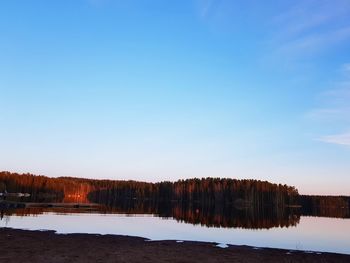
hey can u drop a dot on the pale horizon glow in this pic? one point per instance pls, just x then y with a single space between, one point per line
155 91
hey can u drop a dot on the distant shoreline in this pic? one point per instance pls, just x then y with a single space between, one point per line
47 246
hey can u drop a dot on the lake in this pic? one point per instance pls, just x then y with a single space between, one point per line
309 233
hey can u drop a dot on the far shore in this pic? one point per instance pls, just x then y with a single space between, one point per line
47 246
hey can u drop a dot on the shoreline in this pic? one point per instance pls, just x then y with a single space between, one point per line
48 246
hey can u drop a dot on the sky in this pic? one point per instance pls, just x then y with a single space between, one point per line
166 90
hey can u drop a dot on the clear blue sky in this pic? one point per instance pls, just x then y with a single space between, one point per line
163 90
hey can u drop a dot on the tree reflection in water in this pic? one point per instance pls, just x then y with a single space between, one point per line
213 216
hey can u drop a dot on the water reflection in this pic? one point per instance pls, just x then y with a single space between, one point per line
196 214
214 215
284 228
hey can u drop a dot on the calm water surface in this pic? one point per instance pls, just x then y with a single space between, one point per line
310 233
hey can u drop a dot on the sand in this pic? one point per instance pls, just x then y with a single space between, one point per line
47 246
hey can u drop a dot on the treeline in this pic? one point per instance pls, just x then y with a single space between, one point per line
329 206
207 191
43 188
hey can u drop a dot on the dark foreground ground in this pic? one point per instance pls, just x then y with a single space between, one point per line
36 246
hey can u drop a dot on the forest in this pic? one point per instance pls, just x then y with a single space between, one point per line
205 191
190 195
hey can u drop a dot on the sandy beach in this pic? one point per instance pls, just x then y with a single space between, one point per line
47 246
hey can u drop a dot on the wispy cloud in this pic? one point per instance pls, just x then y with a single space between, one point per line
334 111
310 26
334 105
341 139
346 69
339 95
207 8
315 42
329 114
97 3
309 14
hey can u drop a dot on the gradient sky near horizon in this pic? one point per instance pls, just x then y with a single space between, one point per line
162 90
